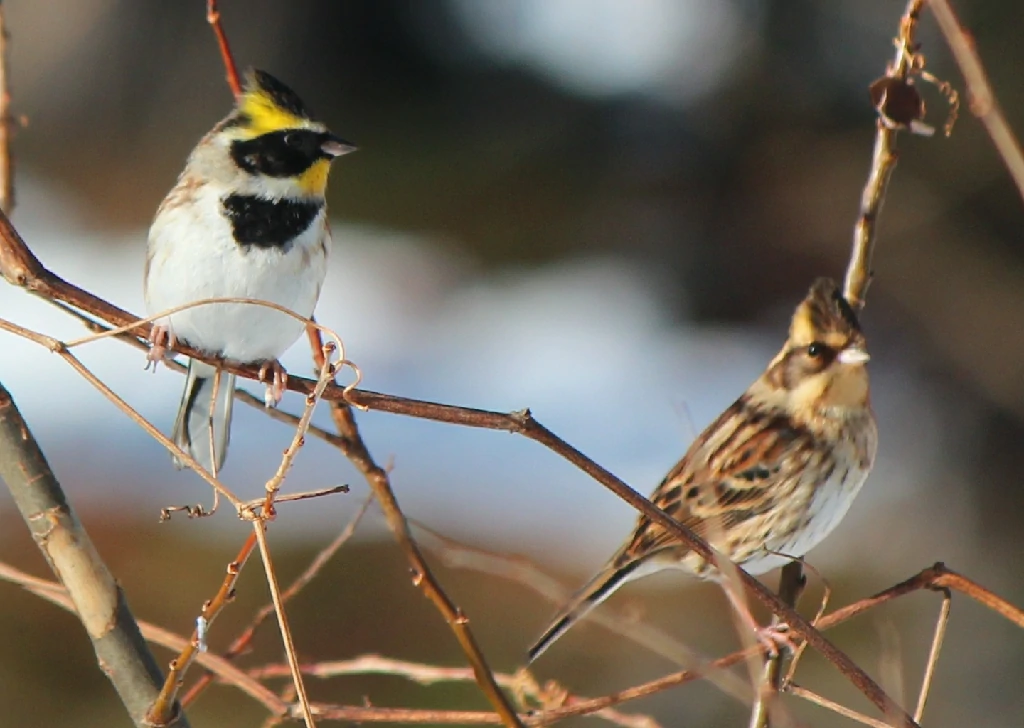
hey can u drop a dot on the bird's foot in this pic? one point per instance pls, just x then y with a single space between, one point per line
278 384
161 339
775 638
772 638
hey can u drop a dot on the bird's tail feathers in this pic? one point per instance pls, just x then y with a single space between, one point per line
199 415
595 591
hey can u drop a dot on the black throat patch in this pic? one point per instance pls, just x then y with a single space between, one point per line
268 223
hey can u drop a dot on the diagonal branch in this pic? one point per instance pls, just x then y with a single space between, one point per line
983 101
98 600
355 449
19 266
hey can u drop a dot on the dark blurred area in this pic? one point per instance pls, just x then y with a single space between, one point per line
732 164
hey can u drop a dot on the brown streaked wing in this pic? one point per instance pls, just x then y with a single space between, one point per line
737 469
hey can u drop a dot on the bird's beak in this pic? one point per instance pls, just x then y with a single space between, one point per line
853 355
332 146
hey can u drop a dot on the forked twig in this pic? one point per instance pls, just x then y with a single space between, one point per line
164 705
243 640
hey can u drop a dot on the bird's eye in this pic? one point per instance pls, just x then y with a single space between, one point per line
293 140
815 350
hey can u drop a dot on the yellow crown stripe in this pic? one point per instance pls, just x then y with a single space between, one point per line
265 116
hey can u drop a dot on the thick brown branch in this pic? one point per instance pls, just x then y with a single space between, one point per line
98 600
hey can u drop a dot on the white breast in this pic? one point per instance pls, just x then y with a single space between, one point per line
194 256
830 501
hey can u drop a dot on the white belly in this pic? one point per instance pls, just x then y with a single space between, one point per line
193 256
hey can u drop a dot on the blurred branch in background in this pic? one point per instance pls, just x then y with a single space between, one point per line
982 100
6 121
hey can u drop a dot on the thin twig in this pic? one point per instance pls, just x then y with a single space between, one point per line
6 120
934 577
97 599
231 71
835 707
243 640
164 704
883 162
982 100
259 528
59 348
933 654
551 695
257 503
273 486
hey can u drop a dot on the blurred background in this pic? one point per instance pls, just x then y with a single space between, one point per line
602 210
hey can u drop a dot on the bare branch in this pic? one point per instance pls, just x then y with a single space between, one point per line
982 100
6 120
259 528
167 699
242 642
230 70
97 599
355 449
225 671
883 163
